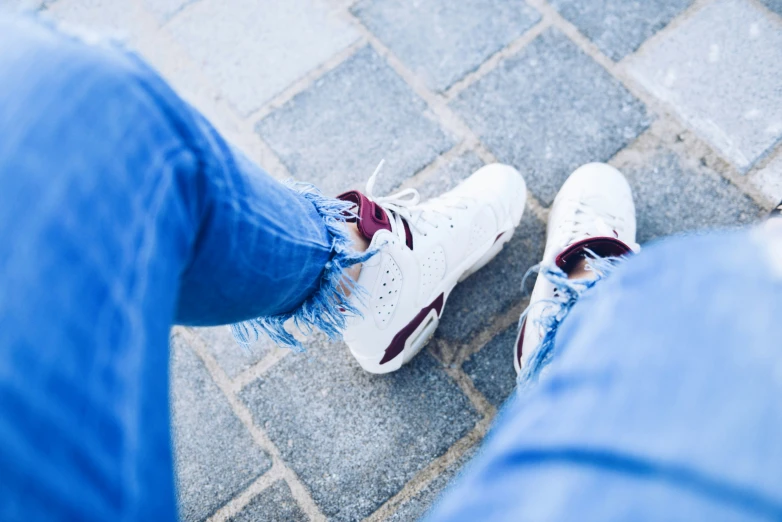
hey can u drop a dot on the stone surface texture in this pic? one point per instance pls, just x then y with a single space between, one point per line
549 109
720 71
491 369
441 40
335 133
211 469
355 438
232 357
672 196
619 27
683 96
252 50
273 504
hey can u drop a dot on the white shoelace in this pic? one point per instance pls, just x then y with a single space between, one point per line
401 207
588 220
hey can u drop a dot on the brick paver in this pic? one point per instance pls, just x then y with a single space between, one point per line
720 71
619 27
354 438
549 109
442 40
682 95
335 133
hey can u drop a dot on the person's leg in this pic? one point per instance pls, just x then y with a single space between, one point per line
121 212
660 401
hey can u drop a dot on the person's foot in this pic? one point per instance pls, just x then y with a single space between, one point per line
592 213
424 249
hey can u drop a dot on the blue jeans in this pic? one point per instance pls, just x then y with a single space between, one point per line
122 212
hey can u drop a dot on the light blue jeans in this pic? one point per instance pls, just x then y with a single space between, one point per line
122 212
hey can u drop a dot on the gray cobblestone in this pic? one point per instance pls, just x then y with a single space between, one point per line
442 40
672 196
720 71
253 50
215 454
230 355
416 507
273 504
335 133
491 369
549 109
165 9
450 174
354 438
774 5
496 287
619 27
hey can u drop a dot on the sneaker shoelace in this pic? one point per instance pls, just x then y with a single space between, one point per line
404 207
589 221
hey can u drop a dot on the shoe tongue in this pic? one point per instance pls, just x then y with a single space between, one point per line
372 217
600 246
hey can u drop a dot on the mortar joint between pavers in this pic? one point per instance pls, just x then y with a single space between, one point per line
427 475
492 61
235 505
298 490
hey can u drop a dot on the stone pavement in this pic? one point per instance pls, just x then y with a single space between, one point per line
684 96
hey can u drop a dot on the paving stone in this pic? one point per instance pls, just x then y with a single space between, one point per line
254 49
768 180
415 508
165 9
230 355
441 40
216 457
671 196
353 438
774 5
335 133
491 368
450 174
549 109
720 72
273 504
619 27
494 288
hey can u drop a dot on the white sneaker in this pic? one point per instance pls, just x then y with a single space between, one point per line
424 249
593 211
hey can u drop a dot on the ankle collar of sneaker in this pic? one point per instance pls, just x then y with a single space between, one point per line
599 246
371 216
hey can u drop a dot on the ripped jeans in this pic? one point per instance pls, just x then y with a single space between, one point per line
659 397
122 211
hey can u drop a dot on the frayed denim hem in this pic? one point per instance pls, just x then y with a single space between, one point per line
557 309
328 308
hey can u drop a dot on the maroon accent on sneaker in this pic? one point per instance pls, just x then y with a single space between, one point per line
372 218
408 235
519 344
398 343
600 246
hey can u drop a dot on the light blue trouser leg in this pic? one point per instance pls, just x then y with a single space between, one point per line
122 211
663 399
